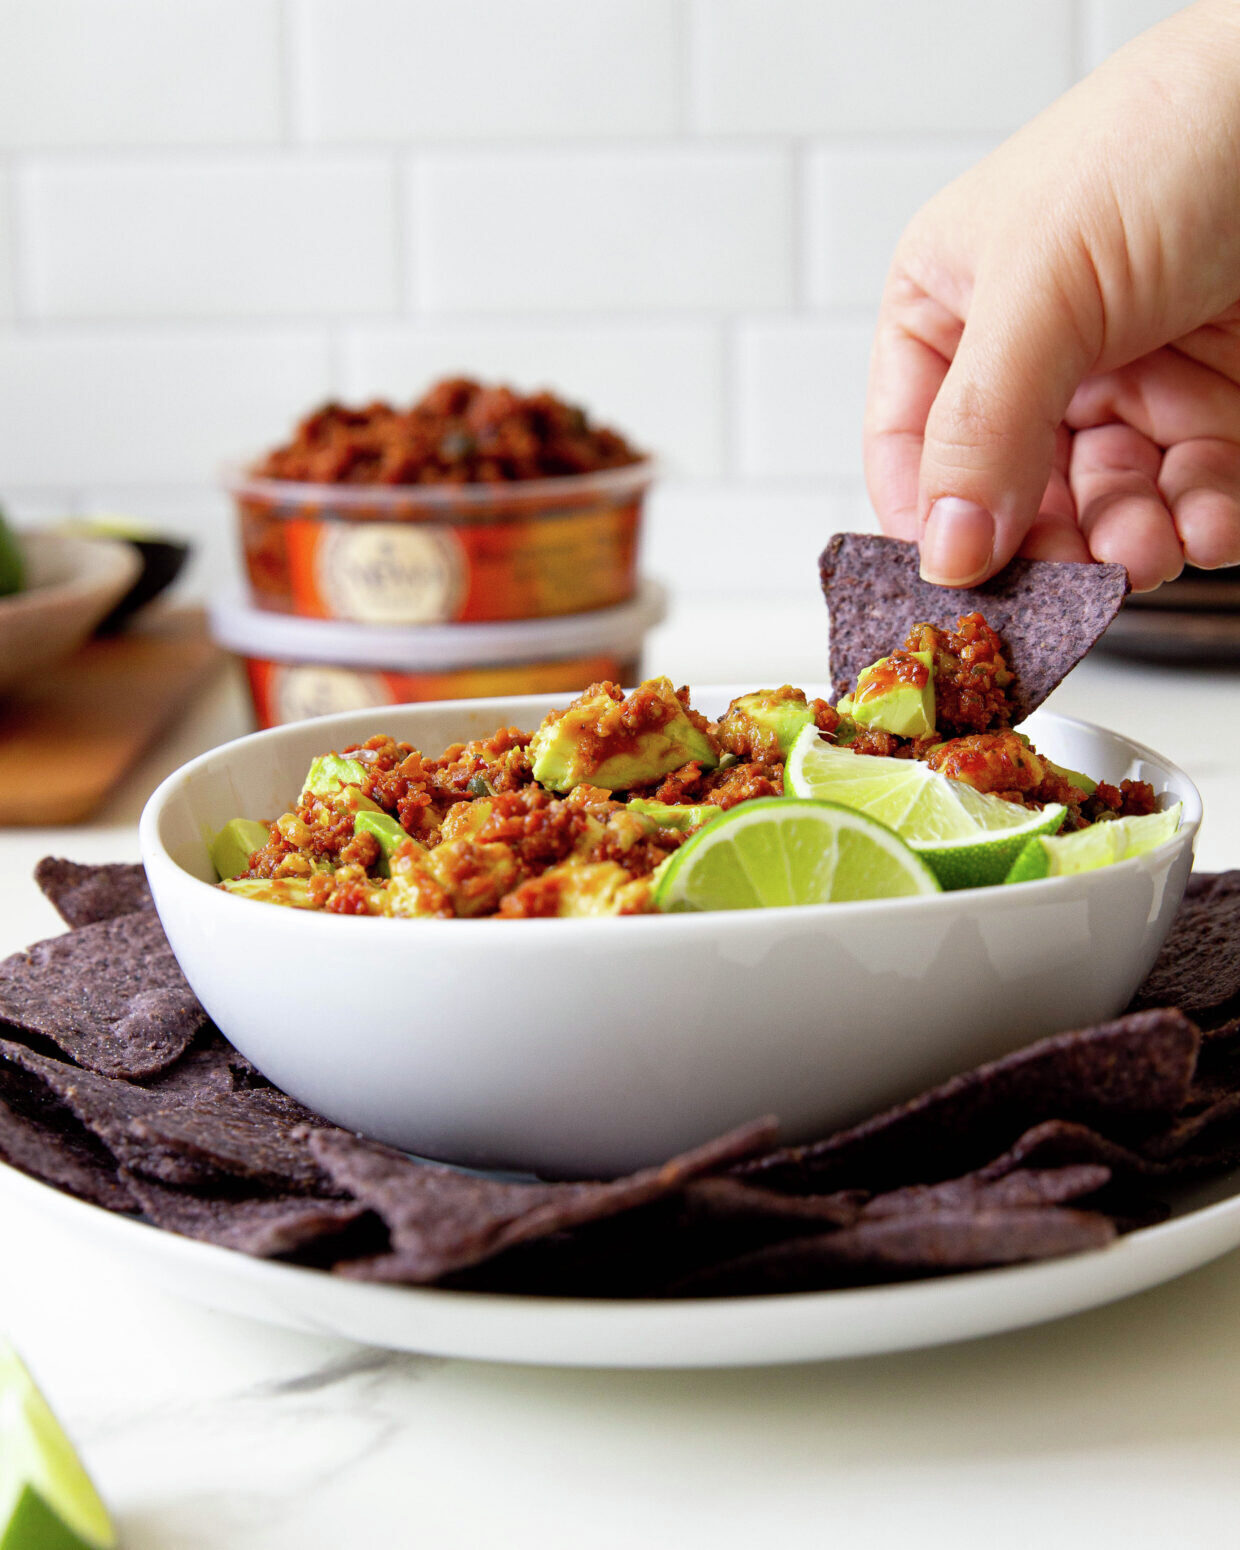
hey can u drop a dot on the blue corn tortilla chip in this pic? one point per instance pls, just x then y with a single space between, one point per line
1213 1132
84 894
269 1226
1208 1143
442 1220
209 1068
110 995
1048 613
1198 969
1020 1189
738 1200
911 1244
51 1146
176 1138
102 1104
1125 1075
256 1135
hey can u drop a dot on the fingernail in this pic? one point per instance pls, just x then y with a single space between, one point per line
957 544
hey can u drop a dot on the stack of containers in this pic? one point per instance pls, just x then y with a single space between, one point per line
379 593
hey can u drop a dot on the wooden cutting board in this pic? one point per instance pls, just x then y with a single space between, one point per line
68 740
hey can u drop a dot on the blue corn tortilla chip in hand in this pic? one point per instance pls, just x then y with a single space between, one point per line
1048 613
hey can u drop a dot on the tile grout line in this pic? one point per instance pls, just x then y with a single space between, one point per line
405 195
25 319
729 399
691 141
686 25
1078 39
146 327
9 317
285 72
799 225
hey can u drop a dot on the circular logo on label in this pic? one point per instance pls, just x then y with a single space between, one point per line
385 573
302 692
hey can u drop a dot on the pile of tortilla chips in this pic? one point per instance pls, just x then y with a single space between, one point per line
115 1087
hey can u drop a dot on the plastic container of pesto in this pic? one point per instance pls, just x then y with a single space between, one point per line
299 667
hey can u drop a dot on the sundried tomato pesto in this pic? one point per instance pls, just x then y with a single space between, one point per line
901 667
459 432
475 831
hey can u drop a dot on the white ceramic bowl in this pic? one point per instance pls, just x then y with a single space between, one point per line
594 1046
72 582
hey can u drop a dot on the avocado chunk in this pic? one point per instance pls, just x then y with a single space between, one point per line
667 815
334 775
764 725
847 730
615 742
293 892
388 832
895 694
232 847
1073 777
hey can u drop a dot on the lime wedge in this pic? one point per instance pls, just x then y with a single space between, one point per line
777 850
46 1499
1101 844
12 562
969 838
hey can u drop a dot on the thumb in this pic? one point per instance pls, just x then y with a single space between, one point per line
990 434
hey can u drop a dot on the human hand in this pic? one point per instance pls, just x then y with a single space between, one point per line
1056 366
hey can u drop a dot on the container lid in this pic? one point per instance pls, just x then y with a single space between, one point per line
256 632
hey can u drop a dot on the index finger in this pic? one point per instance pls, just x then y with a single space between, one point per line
913 344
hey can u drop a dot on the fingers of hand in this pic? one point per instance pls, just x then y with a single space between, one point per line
907 368
1165 395
1055 534
1200 482
1123 517
1054 538
991 435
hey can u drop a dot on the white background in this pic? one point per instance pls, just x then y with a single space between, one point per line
215 213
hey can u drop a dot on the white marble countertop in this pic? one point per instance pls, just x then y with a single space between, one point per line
208 1432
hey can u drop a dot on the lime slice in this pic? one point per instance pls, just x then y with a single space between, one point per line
969 838
12 563
1116 839
777 850
46 1499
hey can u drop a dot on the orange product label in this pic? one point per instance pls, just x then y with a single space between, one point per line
519 567
284 691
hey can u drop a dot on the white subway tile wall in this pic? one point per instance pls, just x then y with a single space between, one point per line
641 229
6 247
422 70
805 67
115 73
242 237
857 202
165 407
216 213
662 383
800 390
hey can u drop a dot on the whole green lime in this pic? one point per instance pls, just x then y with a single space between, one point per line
12 565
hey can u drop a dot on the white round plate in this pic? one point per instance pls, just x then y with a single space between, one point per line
723 1332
